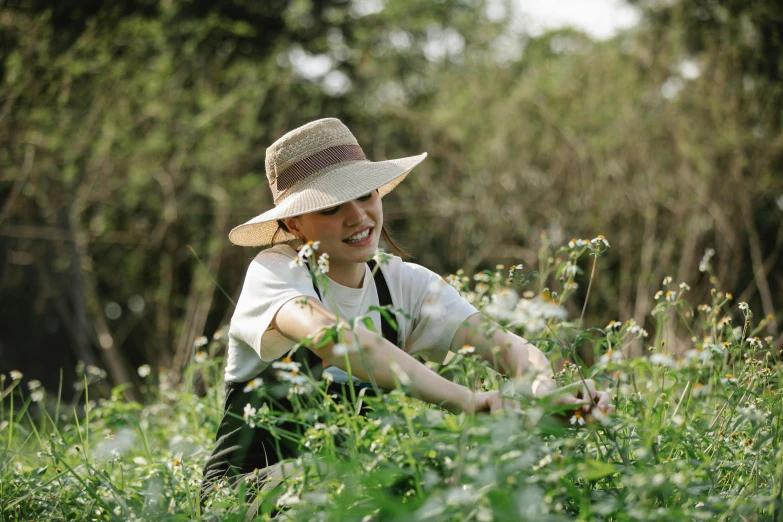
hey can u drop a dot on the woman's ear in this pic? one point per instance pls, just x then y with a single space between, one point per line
293 227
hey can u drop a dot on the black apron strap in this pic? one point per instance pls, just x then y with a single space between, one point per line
384 299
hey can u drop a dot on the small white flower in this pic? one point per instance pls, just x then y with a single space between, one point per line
570 270
248 411
292 377
599 240
200 341
614 325
577 419
217 335
253 384
662 360
341 349
144 370
287 364
670 296
754 341
323 263
658 295
249 414
140 461
667 280
514 269
466 349
453 280
201 356
94 370
481 276
297 389
724 321
37 395
577 243
33 384
743 306
684 286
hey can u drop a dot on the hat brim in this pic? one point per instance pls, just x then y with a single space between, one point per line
331 187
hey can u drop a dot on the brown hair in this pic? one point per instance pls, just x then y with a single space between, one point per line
394 248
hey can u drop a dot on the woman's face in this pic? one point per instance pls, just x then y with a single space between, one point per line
337 229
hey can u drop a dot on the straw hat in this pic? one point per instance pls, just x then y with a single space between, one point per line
316 166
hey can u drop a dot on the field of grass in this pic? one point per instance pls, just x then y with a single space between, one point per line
696 436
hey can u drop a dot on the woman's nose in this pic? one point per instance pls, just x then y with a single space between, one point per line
354 213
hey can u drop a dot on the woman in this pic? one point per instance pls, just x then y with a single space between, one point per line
326 191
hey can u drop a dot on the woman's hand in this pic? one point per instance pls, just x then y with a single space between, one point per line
579 395
491 402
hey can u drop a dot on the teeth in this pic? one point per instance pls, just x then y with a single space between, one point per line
358 237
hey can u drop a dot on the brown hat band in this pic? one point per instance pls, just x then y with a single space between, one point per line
307 166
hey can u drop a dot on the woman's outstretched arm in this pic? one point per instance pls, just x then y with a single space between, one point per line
302 317
517 358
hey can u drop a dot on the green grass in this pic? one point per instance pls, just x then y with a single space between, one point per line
696 436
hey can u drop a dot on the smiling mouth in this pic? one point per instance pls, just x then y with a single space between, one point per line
358 237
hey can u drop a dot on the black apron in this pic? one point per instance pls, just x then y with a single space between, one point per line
240 449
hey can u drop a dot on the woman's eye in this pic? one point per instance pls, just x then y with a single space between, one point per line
365 197
330 211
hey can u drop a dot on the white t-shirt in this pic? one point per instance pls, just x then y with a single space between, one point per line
436 309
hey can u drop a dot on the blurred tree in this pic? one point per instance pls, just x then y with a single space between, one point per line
134 130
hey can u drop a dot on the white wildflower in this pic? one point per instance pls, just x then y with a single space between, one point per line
570 270
200 341
248 414
252 384
201 356
140 461
704 264
667 280
287 364
577 419
466 349
481 276
37 396
658 295
323 263
614 325
600 240
724 321
513 270
33 385
684 286
754 341
94 370
577 243
341 349
217 335
662 360
670 296
743 306
453 280
144 370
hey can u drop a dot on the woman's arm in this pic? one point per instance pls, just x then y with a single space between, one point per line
515 358
304 316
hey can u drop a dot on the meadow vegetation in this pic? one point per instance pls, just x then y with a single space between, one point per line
696 436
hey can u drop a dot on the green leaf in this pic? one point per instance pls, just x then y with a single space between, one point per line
596 469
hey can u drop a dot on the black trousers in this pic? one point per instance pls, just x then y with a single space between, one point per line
240 449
